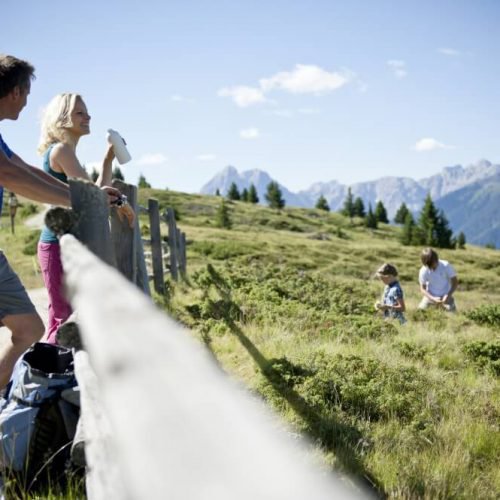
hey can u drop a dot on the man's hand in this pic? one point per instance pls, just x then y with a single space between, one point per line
113 194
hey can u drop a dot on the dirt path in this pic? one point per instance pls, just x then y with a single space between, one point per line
39 295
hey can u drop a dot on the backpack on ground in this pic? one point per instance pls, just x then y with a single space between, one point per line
37 424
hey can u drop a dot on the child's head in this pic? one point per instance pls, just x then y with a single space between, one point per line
387 273
429 258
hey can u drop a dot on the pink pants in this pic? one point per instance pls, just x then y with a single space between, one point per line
49 257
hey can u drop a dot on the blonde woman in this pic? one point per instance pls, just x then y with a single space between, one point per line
64 122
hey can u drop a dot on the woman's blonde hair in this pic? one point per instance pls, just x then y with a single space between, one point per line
56 119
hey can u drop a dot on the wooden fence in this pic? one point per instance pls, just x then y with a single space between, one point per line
160 419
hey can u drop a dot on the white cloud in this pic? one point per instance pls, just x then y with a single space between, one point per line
308 111
449 52
181 98
242 95
303 79
430 144
306 79
152 159
206 157
398 67
249 133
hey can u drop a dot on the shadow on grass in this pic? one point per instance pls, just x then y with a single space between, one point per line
330 433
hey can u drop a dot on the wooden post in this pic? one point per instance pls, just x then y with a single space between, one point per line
182 250
172 429
142 273
122 235
91 227
156 250
172 243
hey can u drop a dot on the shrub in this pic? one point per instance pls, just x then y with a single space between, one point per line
488 315
31 243
27 209
484 354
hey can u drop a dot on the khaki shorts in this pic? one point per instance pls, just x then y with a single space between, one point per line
13 296
450 306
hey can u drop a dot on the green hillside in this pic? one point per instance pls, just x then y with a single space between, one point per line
284 301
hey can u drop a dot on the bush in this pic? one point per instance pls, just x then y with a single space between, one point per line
31 243
488 315
484 354
27 209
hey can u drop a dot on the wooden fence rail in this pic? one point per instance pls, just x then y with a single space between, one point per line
161 419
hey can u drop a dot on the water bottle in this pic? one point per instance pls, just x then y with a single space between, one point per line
119 147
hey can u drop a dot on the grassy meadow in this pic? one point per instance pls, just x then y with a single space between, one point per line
284 302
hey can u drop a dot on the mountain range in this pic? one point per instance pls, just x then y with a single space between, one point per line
469 196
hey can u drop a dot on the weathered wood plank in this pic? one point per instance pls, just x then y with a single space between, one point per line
103 476
180 430
122 235
156 245
172 243
90 206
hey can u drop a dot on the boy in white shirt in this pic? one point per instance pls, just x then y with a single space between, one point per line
438 280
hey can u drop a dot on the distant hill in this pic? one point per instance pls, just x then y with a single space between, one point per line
475 210
392 191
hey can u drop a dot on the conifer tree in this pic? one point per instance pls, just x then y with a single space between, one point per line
370 219
274 196
322 204
381 213
460 243
427 224
222 217
117 174
217 192
408 231
143 183
444 235
252 194
348 208
244 194
359 207
400 216
233 193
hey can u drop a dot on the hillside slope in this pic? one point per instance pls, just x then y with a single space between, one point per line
283 301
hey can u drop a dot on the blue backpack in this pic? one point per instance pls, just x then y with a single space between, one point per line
37 424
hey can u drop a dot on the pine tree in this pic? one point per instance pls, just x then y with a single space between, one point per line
381 213
370 219
222 217
444 234
274 196
427 223
143 183
359 207
400 216
322 204
460 243
244 194
233 193
252 194
117 174
408 230
217 192
348 209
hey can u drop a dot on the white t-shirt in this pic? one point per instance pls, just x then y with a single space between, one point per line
437 281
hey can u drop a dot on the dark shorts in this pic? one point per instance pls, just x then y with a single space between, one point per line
13 296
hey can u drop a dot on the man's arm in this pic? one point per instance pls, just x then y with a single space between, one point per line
25 182
453 287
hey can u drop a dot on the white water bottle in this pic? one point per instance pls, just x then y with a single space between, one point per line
119 147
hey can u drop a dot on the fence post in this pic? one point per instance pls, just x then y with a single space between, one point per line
172 243
156 250
90 206
122 235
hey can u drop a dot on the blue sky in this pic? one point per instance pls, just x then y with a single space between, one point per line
308 91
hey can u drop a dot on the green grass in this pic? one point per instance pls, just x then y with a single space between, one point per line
284 299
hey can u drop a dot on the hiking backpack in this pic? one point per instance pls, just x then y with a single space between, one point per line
37 423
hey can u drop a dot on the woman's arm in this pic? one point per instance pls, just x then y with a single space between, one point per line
106 174
63 159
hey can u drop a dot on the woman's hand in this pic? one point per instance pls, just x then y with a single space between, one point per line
113 194
110 154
